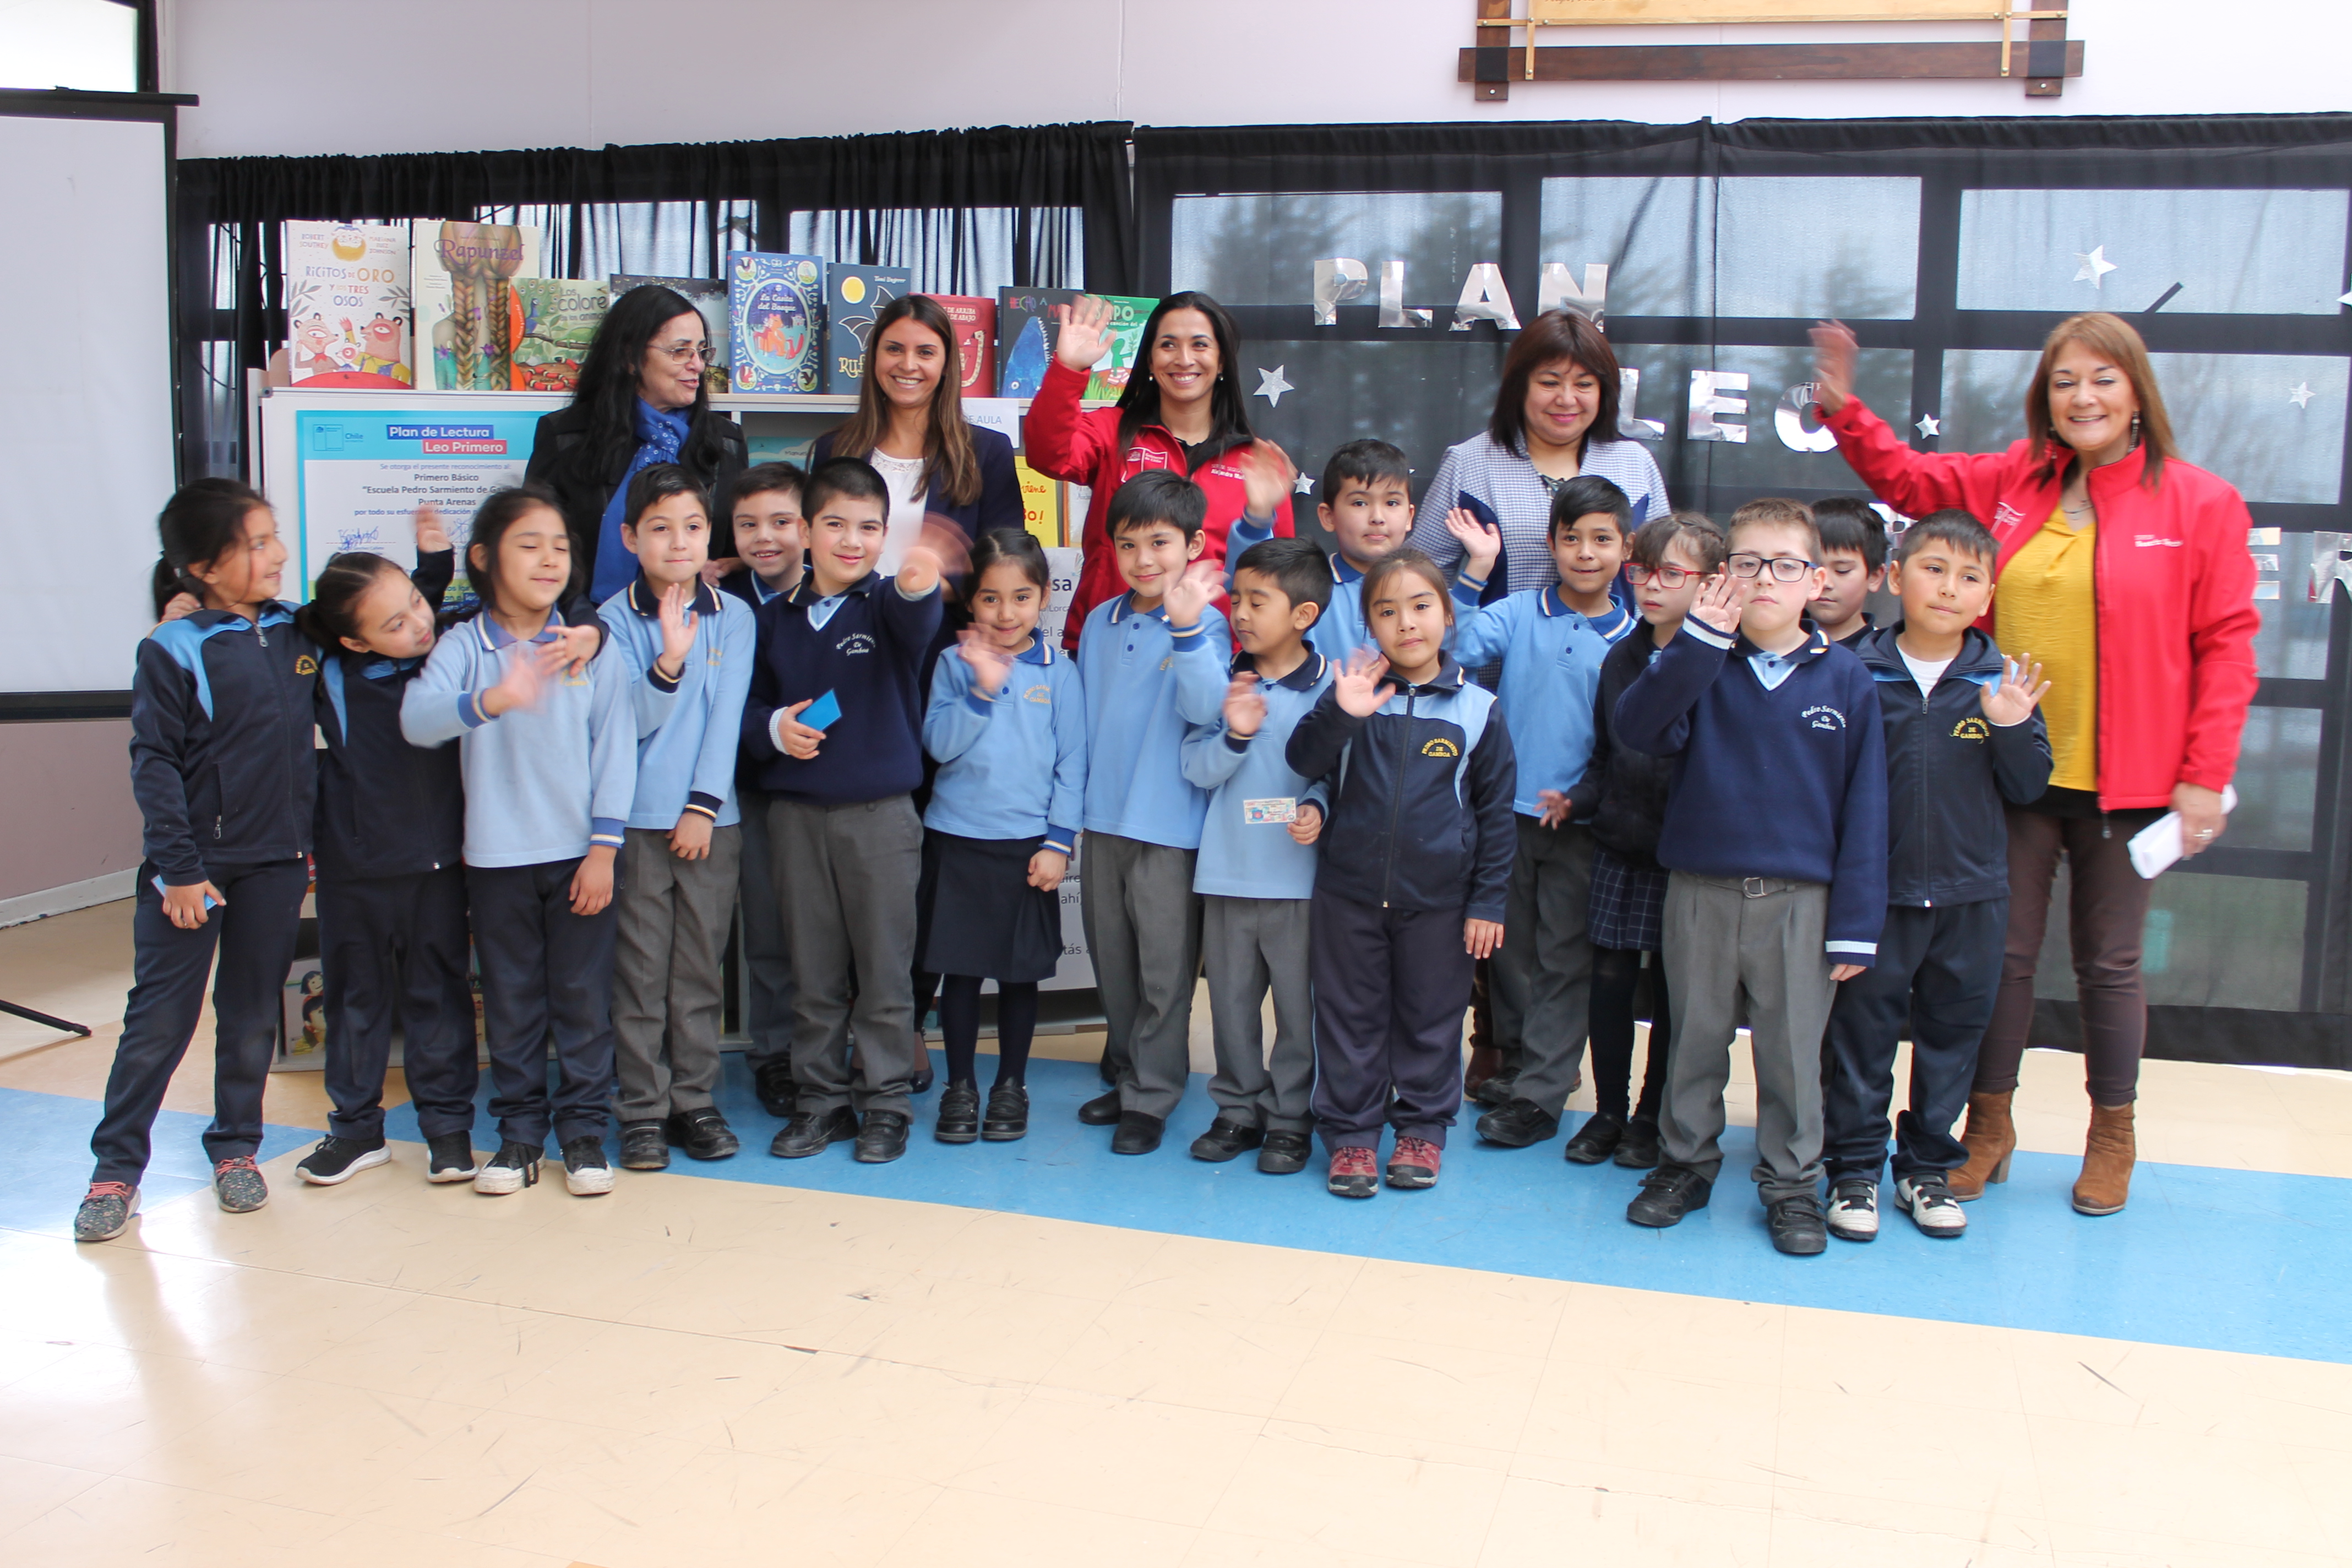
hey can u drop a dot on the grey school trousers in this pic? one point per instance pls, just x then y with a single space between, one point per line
1248 946
767 960
1144 931
1757 940
846 878
665 986
1542 980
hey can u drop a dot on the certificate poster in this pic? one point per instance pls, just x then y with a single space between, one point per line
359 476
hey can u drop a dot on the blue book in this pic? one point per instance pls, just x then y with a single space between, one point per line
853 296
775 320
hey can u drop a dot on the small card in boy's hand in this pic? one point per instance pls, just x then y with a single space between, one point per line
1256 813
822 712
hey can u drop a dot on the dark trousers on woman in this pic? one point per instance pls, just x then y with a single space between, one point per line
1390 989
1936 975
545 972
254 928
1616 979
2107 917
393 947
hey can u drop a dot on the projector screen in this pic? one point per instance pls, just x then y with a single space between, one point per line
86 424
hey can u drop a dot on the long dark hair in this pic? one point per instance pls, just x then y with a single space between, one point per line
1138 404
608 386
948 459
1551 337
501 510
203 520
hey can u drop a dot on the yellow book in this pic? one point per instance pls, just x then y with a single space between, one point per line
1041 504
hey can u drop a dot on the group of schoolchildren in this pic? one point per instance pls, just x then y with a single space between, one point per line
1349 791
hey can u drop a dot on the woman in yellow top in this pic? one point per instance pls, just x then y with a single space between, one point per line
2125 571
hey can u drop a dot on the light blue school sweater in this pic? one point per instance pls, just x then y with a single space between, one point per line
1551 667
687 762
1013 765
1245 859
1145 685
541 784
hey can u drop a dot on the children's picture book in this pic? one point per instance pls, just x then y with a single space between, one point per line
853 296
347 304
708 295
975 323
1041 504
304 1043
776 318
1025 334
1110 373
555 320
462 275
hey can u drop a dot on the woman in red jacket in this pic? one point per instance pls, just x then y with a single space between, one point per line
1186 413
2125 573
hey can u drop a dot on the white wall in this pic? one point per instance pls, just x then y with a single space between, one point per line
294 76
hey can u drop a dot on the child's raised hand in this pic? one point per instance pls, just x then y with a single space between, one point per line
1358 689
1308 826
579 644
2021 688
1267 476
1481 938
678 622
690 839
1188 599
939 551
1717 605
592 884
526 679
1244 709
989 667
430 534
1833 352
1085 336
800 741
717 571
1555 806
1046 869
1480 543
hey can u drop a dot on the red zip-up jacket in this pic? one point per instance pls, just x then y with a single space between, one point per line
1064 441
2174 584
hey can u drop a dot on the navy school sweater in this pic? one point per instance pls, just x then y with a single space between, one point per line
386 808
870 653
1789 782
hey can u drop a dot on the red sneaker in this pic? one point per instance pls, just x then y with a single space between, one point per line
1414 1163
1355 1173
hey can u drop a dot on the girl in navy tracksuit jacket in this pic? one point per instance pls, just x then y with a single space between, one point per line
1409 893
222 767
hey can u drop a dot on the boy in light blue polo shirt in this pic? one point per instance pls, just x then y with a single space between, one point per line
1255 873
1153 663
683 853
1551 642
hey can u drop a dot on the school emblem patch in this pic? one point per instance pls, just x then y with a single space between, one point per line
306 665
856 642
1440 747
1971 729
1823 717
1040 693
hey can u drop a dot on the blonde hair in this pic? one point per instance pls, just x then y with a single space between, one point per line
2119 343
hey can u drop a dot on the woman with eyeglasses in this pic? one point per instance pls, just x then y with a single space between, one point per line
2125 571
640 400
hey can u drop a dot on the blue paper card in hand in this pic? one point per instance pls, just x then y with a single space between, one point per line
821 713
156 881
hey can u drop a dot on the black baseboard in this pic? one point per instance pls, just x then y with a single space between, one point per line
2241 1036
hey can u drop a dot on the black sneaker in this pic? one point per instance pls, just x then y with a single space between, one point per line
1597 1139
958 1119
1638 1150
883 1138
338 1160
1285 1153
450 1157
702 1133
1008 1114
1519 1124
643 1147
585 1173
1138 1134
1224 1138
106 1210
1797 1226
1668 1194
1102 1110
773 1081
811 1133
514 1167
1496 1092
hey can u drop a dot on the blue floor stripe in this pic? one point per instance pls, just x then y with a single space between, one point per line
47 1136
2235 1260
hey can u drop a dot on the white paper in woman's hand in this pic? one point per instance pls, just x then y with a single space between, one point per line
2154 848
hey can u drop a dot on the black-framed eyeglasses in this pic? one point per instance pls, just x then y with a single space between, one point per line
1670 578
1784 568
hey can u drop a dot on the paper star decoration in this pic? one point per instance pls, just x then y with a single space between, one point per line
1271 387
1929 425
2095 267
2343 298
2302 394
1304 486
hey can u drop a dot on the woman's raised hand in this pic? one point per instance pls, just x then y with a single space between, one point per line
1833 351
1085 336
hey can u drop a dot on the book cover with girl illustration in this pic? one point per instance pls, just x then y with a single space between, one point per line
347 304
462 280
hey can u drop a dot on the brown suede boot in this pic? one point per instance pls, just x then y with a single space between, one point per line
1991 1138
2108 1158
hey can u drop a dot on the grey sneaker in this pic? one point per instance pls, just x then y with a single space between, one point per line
1853 1210
1928 1199
238 1186
106 1210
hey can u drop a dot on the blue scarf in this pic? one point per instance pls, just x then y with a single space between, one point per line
659 436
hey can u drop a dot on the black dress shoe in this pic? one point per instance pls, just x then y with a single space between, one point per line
1285 1153
1008 1114
1597 1139
773 1080
1138 1134
1496 1092
883 1138
1797 1226
702 1133
922 1080
1102 1110
1517 1124
1639 1150
1224 1138
958 1119
643 1147
810 1132
1668 1194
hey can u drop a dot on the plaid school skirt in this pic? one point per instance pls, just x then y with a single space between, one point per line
1629 904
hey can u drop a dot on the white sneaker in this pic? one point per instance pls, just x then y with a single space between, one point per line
1928 1197
1853 1210
514 1167
586 1174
